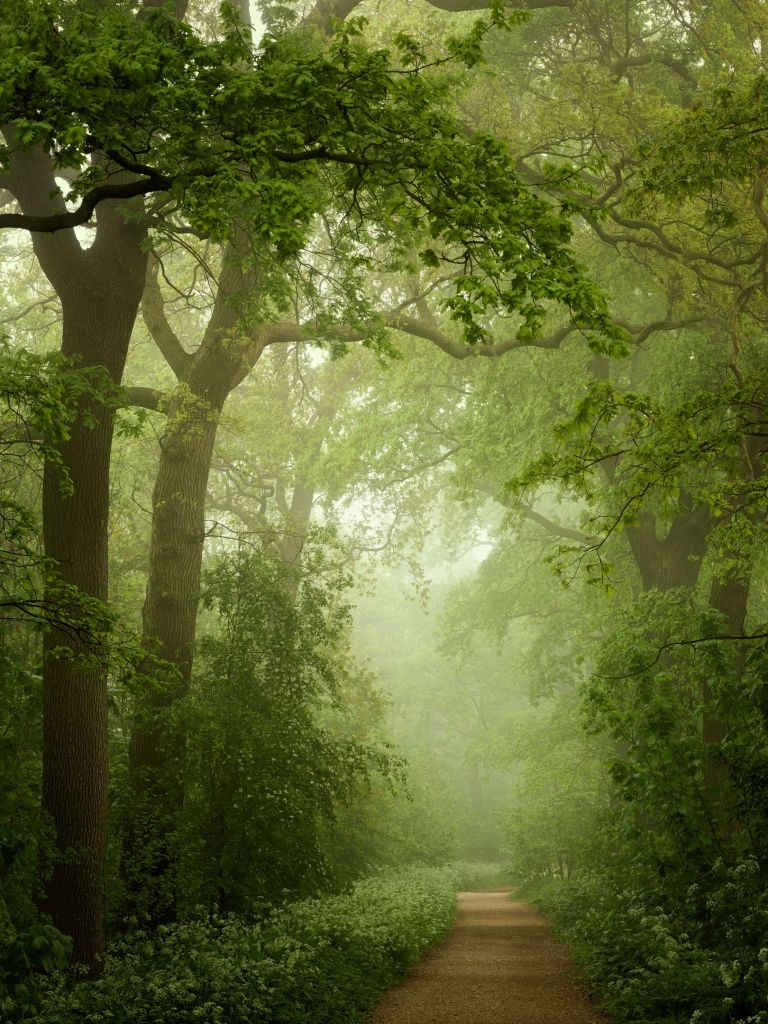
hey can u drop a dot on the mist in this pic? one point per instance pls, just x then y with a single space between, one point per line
382 489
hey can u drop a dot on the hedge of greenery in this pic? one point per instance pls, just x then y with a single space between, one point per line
476 875
673 964
312 962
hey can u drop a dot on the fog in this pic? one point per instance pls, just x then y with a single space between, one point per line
383 503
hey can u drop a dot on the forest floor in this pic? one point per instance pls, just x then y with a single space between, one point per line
499 965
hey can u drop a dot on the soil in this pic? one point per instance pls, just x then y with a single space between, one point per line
499 965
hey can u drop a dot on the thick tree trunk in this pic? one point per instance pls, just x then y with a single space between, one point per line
297 524
676 560
290 544
98 318
100 289
729 597
178 535
156 752
74 789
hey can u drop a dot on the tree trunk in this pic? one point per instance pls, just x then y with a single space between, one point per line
98 318
290 545
100 289
156 752
676 560
729 597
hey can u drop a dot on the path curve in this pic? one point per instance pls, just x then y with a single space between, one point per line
499 965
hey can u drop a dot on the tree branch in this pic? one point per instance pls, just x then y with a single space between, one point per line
692 642
324 10
642 60
667 245
52 222
422 467
153 311
479 5
639 334
556 529
47 300
145 398
287 333
430 332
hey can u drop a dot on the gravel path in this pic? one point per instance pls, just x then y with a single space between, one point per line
499 965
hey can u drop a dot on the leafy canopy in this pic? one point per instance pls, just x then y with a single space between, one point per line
221 134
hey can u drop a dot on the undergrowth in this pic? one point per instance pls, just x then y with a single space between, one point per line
311 962
476 875
702 959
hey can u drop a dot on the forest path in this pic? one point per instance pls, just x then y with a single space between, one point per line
499 965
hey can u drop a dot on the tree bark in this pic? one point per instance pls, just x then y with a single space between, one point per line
74 790
100 289
730 597
156 750
675 560
178 538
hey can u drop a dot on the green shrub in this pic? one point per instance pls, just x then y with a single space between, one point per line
474 875
700 961
312 962
271 753
29 946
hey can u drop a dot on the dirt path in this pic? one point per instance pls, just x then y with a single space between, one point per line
499 965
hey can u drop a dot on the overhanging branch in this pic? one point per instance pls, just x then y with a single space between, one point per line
325 10
556 529
455 6
430 332
50 223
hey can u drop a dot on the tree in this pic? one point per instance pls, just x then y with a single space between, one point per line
267 763
140 86
206 379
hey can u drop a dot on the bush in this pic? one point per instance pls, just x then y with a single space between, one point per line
271 751
312 962
474 875
29 946
700 961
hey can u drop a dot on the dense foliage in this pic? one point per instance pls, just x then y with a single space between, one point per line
314 961
668 910
204 123
270 752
